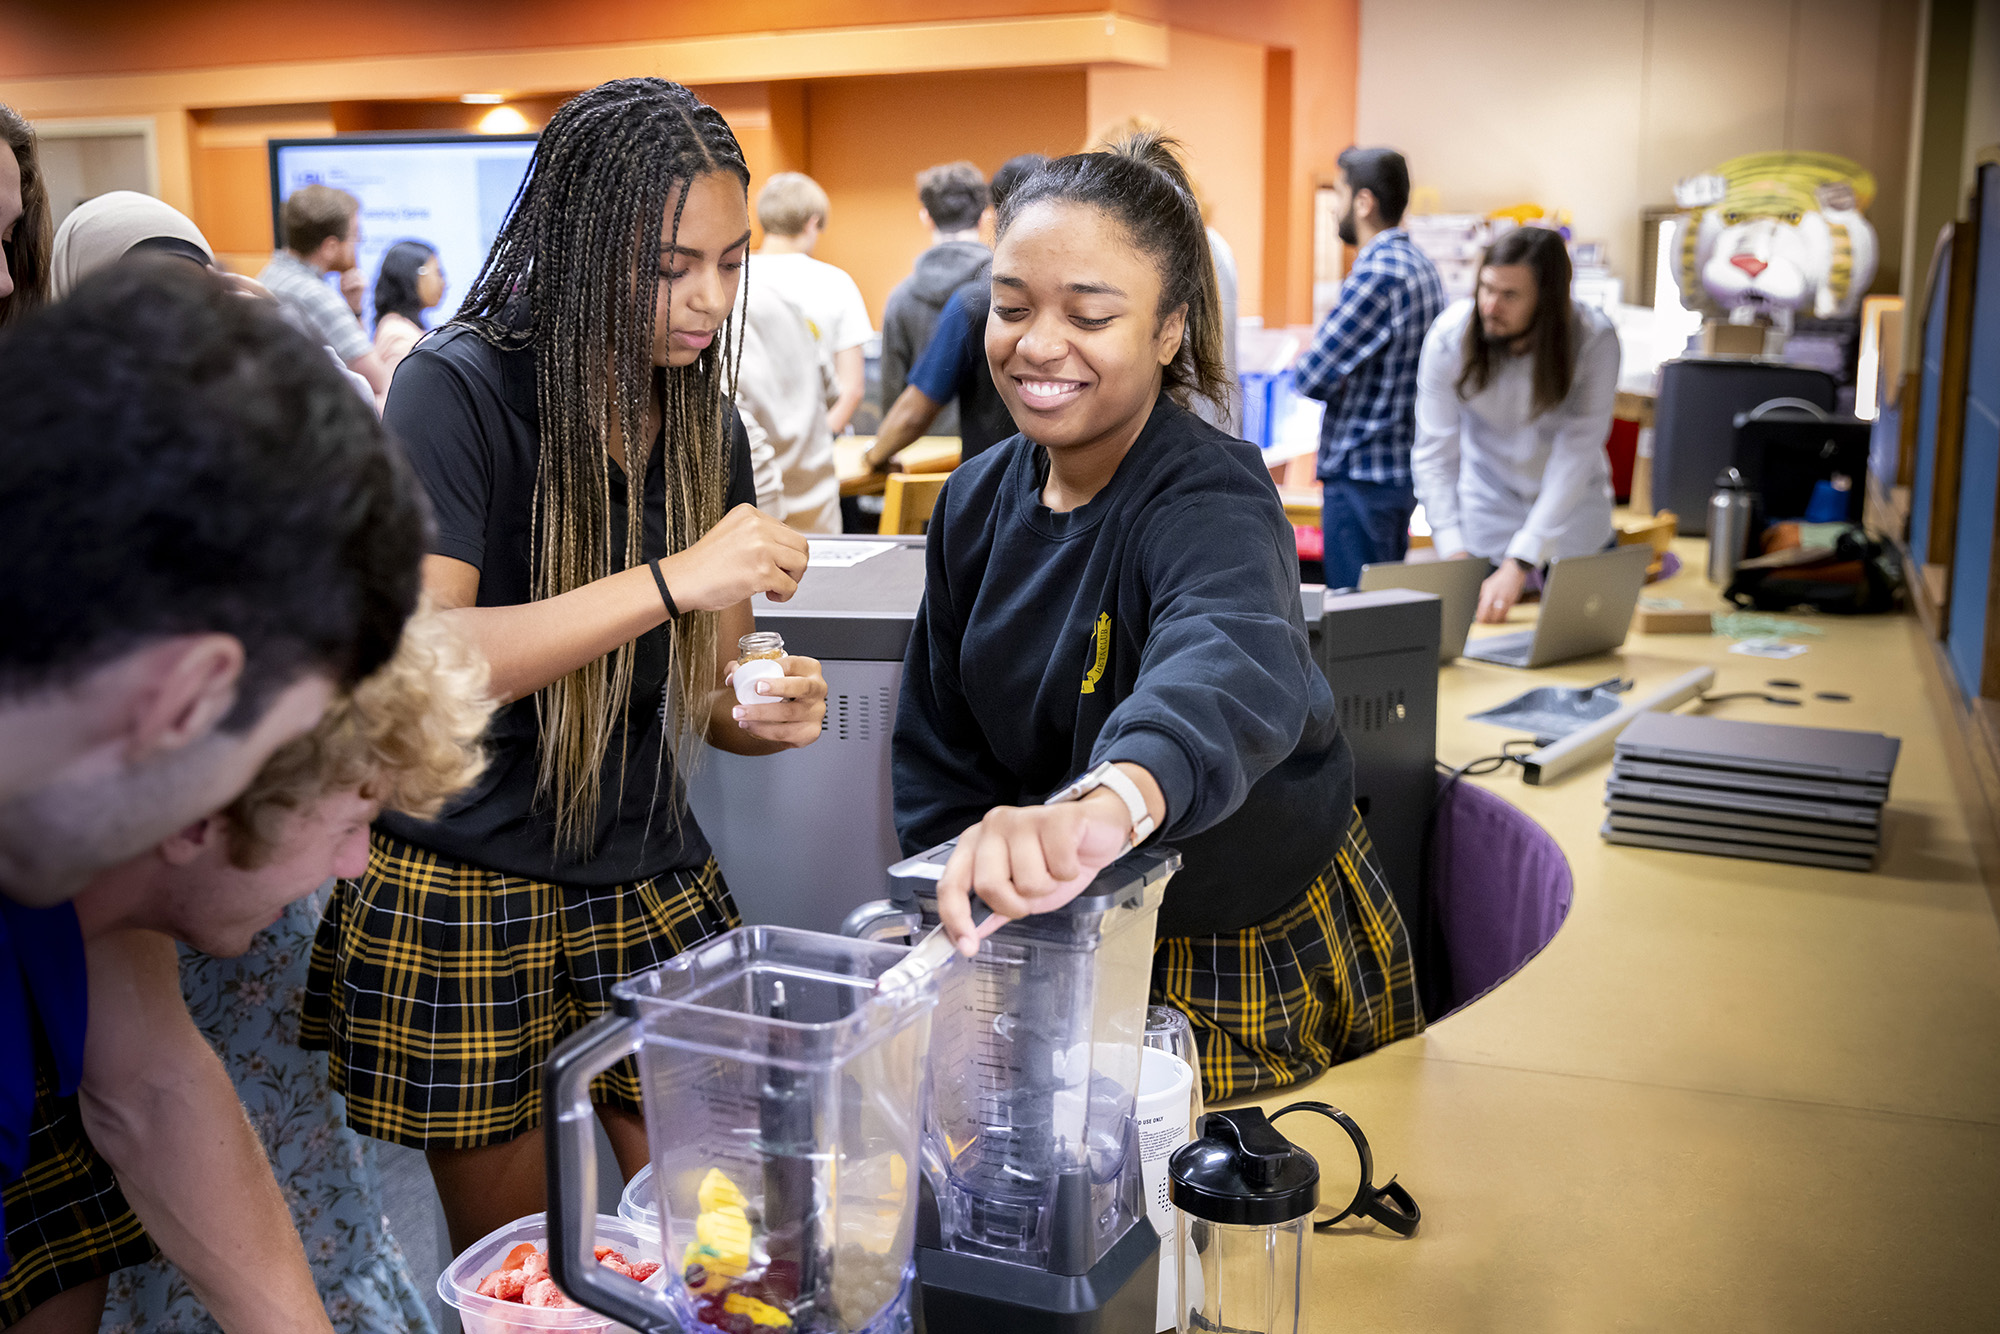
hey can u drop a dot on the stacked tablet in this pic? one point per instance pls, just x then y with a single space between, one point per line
1810 795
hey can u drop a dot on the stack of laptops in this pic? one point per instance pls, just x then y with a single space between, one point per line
1808 795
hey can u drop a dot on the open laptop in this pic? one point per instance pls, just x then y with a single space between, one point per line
1456 584
1587 606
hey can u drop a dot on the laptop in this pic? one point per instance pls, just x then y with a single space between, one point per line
1825 753
1454 582
1587 606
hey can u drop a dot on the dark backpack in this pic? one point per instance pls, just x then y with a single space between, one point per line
1856 575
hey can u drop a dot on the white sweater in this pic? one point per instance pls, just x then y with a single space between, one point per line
781 392
1495 482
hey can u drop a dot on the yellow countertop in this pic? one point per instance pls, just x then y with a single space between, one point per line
1731 1095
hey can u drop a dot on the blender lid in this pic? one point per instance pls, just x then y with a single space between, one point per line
1243 1171
1121 884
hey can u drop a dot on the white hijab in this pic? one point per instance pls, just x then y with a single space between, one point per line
102 230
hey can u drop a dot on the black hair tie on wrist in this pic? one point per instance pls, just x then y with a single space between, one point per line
673 610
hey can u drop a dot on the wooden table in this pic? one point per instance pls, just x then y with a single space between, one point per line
931 453
1730 1094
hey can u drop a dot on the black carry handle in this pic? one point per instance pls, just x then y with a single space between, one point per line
1388 1204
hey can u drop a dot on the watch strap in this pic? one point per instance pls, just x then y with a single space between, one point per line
1107 775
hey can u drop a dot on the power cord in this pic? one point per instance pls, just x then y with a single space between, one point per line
1485 764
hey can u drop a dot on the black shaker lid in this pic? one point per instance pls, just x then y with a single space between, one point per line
1242 1171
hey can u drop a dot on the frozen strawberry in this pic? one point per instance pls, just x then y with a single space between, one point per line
543 1292
518 1256
645 1269
504 1285
535 1266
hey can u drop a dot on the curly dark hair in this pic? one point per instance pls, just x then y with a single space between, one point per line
180 460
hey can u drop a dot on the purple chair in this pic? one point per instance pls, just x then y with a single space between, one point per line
1499 890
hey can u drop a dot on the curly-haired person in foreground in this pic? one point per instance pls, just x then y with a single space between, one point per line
181 1167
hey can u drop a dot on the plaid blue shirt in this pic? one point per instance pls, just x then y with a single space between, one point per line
1363 361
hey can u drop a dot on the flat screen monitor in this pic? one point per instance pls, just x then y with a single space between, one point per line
451 191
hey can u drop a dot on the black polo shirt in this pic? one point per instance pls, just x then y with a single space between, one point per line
465 411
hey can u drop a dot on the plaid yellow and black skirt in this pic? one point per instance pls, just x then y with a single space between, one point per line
438 989
1327 979
67 1221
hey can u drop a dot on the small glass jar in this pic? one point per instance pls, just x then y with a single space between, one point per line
759 657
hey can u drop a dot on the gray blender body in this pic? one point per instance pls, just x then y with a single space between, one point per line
1033 1215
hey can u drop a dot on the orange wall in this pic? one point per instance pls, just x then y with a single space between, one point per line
1324 38
866 139
1211 97
116 36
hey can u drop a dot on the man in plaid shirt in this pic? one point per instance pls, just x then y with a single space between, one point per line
1363 365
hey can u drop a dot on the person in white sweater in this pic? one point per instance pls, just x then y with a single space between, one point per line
783 390
1515 389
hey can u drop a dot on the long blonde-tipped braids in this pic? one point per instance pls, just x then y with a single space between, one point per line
573 274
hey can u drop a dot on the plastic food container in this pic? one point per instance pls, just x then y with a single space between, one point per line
459 1284
636 1206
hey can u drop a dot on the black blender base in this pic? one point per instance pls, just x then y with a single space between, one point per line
961 1294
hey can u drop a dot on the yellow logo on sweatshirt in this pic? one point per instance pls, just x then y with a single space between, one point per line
1101 636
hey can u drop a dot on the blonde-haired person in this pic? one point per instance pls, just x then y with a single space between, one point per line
181 1166
793 211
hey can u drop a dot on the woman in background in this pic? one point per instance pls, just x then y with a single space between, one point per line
24 220
410 282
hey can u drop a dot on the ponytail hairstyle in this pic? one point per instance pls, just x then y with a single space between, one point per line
29 249
1141 182
1551 338
574 274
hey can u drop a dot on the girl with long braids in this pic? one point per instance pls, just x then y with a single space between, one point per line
597 538
1111 625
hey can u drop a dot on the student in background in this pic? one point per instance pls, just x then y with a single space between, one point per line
322 232
1514 397
410 282
953 198
953 367
1363 365
177 1154
25 231
781 395
793 212
1111 612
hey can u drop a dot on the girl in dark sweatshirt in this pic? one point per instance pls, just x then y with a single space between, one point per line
1113 595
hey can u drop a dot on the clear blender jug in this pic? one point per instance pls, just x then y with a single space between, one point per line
783 1097
1035 1215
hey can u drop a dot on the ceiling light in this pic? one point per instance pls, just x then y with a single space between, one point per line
482 99
504 120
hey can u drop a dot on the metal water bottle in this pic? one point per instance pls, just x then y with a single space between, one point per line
1729 517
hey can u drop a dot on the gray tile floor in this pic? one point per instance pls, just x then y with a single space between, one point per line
415 1218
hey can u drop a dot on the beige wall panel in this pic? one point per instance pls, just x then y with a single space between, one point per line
1499 101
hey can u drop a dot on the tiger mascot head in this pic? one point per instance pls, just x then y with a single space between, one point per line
1776 232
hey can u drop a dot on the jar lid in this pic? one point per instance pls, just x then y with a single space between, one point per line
1243 1171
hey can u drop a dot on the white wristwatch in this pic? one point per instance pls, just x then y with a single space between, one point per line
1107 775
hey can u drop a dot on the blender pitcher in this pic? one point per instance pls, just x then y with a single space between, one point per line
1035 1212
783 1100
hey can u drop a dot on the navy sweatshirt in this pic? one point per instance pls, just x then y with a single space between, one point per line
1160 625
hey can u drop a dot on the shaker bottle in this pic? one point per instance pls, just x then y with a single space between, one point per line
1729 517
1248 1194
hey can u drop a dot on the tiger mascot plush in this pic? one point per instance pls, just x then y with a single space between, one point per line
1776 232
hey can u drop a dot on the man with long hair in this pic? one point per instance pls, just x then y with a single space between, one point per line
1514 395
1363 363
